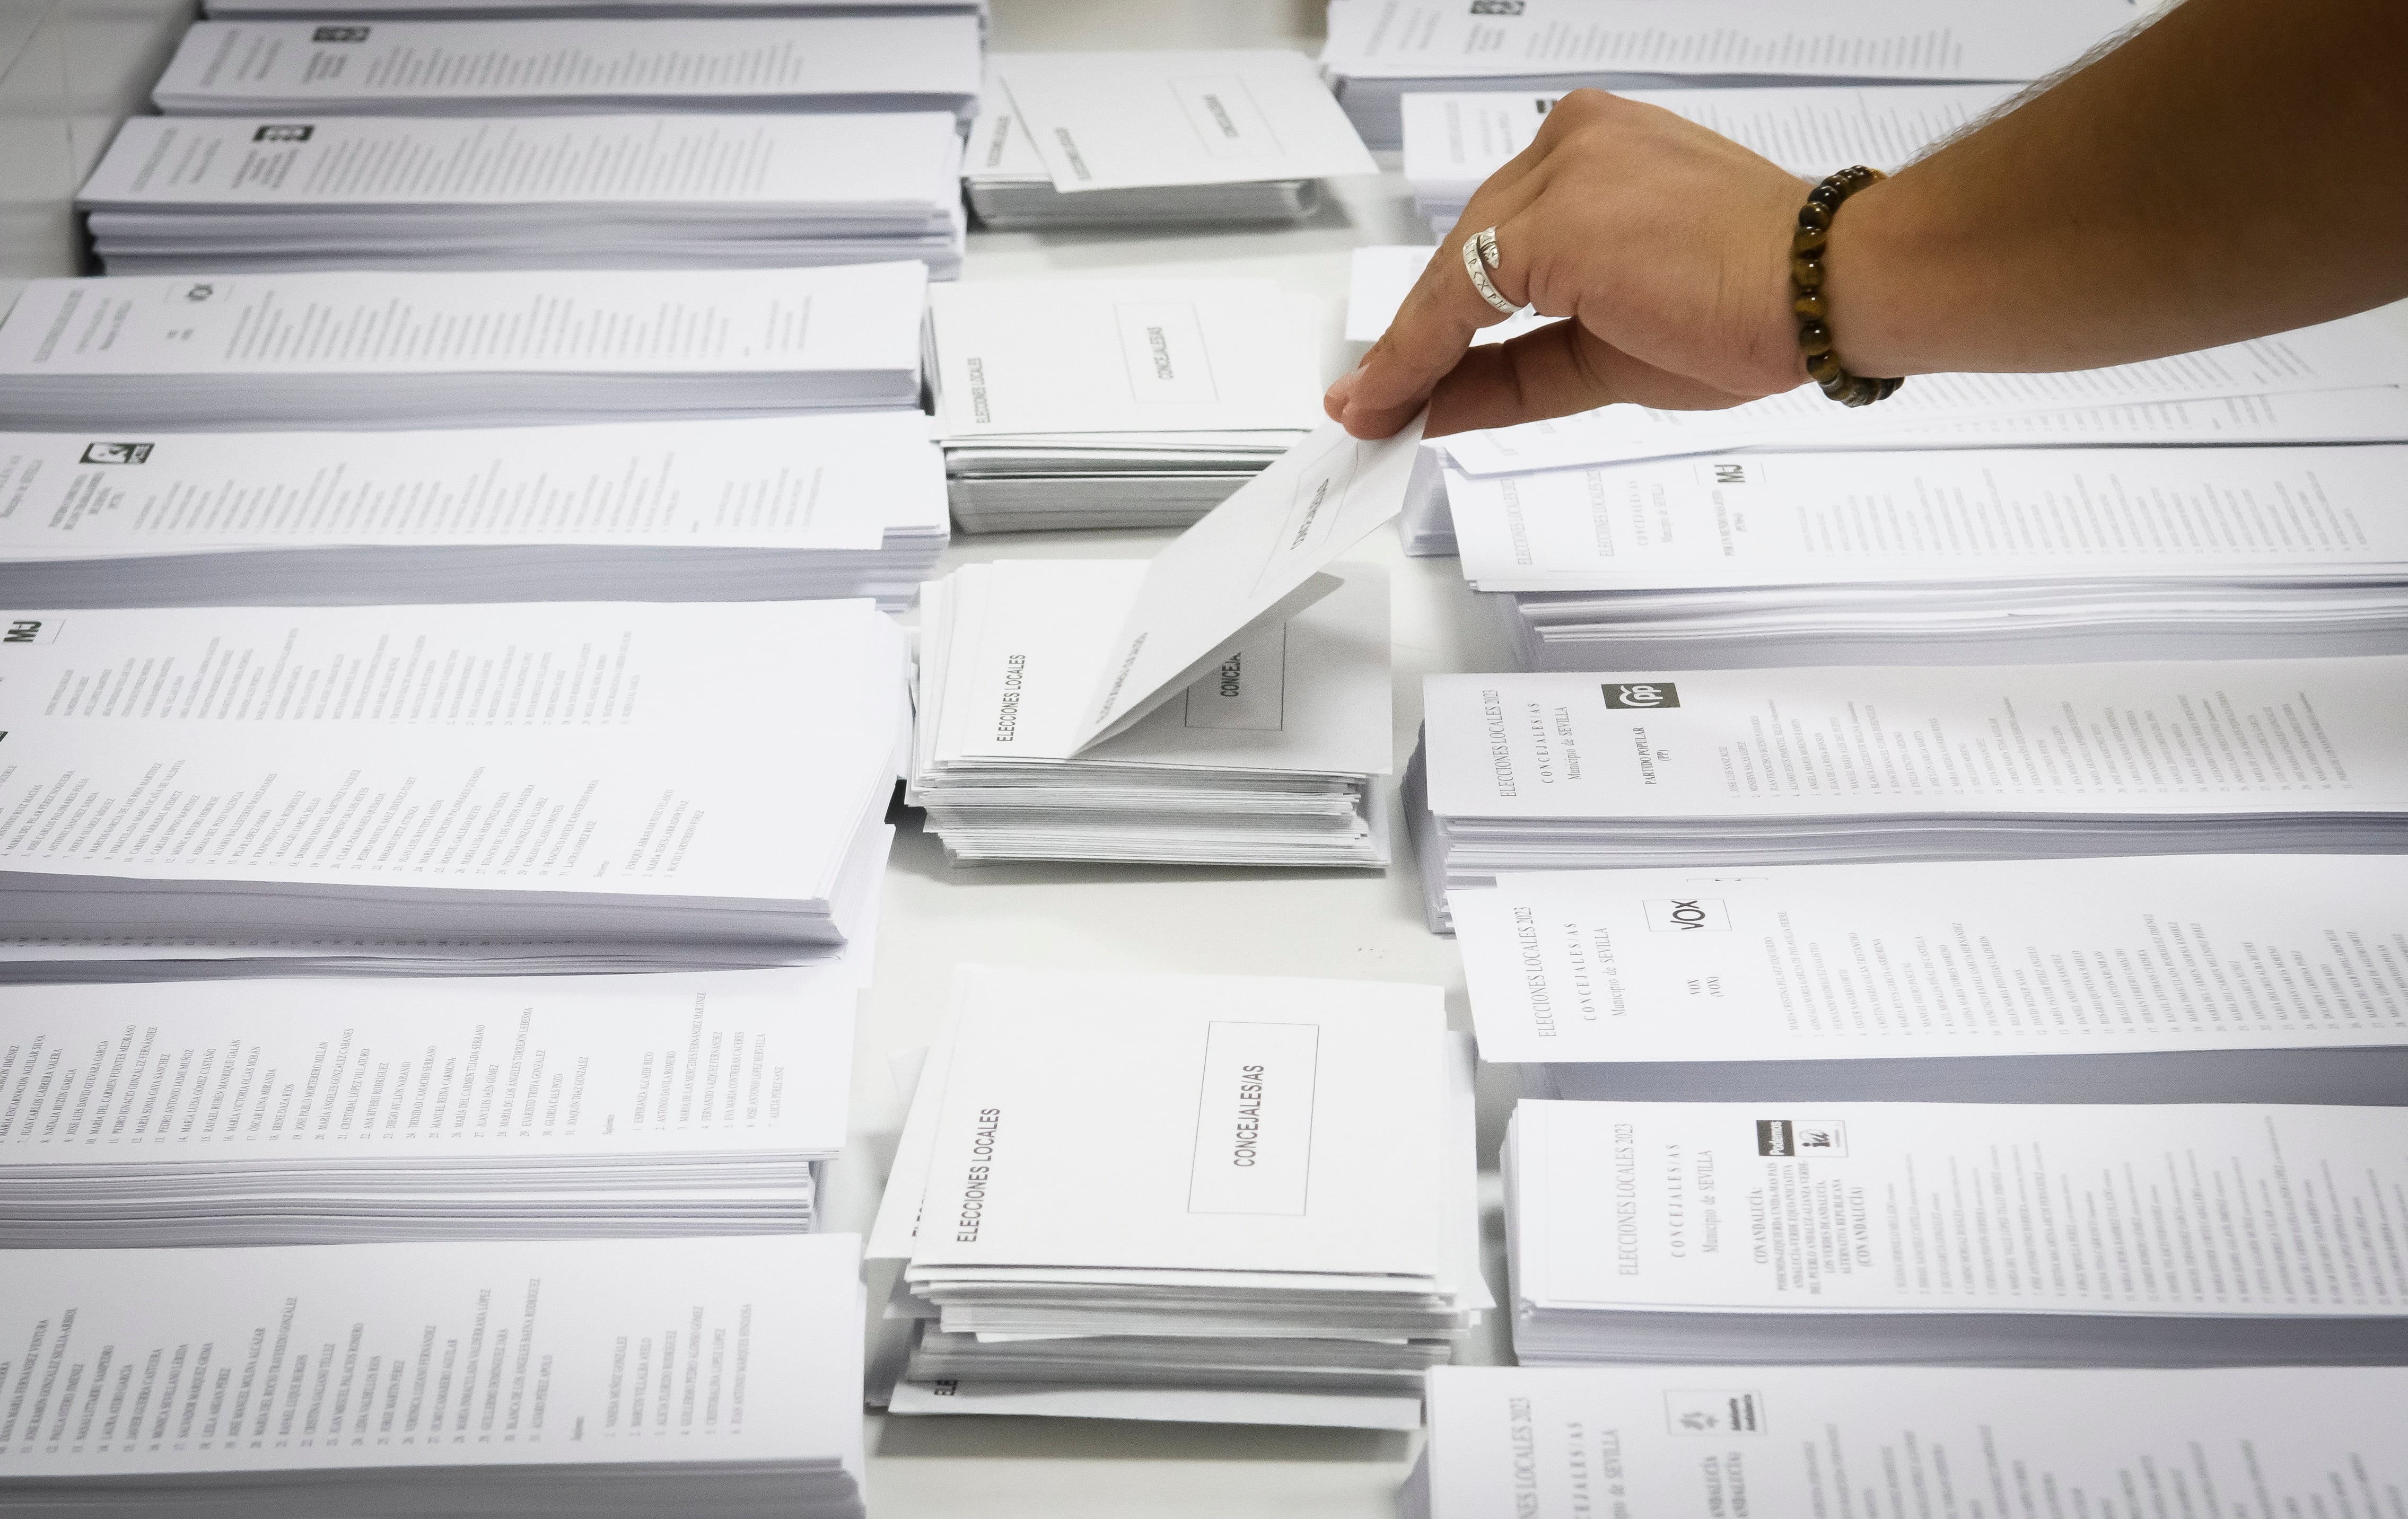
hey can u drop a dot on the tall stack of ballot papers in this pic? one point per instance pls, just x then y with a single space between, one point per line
1203 1198
1944 555
690 784
1117 403
1226 702
714 1378
310 1111
421 349
1143 138
2202 978
227 194
1562 1442
1994 1234
755 508
1711 770
1380 51
841 63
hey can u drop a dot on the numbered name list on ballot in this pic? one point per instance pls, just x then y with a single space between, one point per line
1720 769
751 508
307 1112
1695 1441
1126 120
610 773
891 62
625 1377
2101 1234
436 348
2266 977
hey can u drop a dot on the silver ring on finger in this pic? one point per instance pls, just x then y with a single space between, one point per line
1479 255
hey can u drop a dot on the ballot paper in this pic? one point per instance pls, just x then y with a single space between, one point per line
756 508
716 1378
1715 769
1453 142
1945 556
1380 51
1129 120
1283 1229
1119 403
2153 979
2366 414
845 64
422 349
327 1112
1009 187
1383 275
2355 351
1691 1441
1270 759
218 194
615 774
2000 1234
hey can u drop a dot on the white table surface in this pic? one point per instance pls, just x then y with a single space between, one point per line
1286 923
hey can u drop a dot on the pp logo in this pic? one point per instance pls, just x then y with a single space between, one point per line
1801 1138
1713 1412
116 453
1730 473
198 294
339 34
28 630
282 134
1641 696
1687 915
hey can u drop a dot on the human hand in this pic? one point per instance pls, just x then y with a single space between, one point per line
1666 244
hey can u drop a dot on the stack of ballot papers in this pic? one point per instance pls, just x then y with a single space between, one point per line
619 1379
693 784
1204 1199
1944 557
1718 770
1143 138
1453 142
329 1112
1380 51
1563 1442
841 63
760 508
1223 703
428 349
2201 978
228 194
1116 403
1995 1234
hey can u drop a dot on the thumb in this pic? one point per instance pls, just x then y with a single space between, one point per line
1559 369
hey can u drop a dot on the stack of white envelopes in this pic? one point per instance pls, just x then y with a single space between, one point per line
1379 53
755 508
324 1111
1149 138
1123 403
1718 769
2192 977
1214 1199
1223 703
428 349
1944 557
1453 142
690 784
554 1379
308 69
224 195
2101 1234
1526 1441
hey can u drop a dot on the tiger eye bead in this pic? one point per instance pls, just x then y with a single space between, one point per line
1813 217
1814 338
1809 240
1827 194
1808 271
1811 305
1823 368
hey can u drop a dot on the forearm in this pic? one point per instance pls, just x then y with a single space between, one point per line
2238 169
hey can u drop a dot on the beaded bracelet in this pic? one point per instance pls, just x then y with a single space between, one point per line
1806 267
